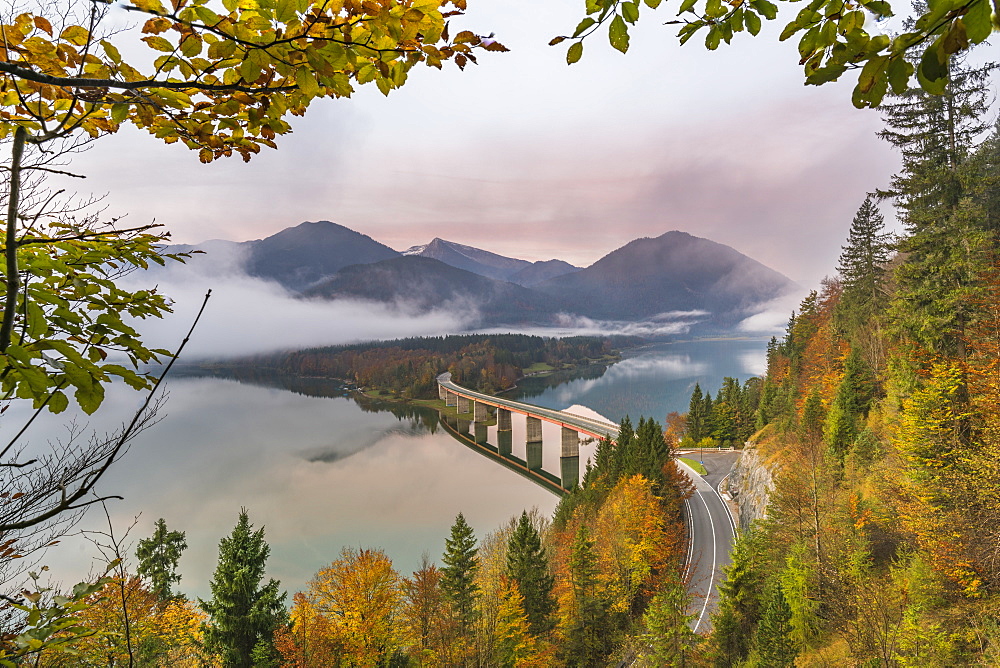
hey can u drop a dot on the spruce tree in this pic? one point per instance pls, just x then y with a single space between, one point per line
158 556
528 566
623 450
459 571
862 266
589 634
949 230
695 421
244 614
774 645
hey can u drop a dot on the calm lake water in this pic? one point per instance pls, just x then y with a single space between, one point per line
321 471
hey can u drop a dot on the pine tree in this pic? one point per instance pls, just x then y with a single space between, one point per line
158 557
459 571
528 567
244 615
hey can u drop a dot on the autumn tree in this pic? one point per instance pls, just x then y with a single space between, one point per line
244 613
427 615
360 595
158 556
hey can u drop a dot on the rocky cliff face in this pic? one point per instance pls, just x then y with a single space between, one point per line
750 485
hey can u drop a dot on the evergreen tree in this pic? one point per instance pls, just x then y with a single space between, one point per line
528 566
590 632
459 571
244 614
735 621
158 556
623 450
813 418
948 227
862 262
862 270
854 396
774 645
695 420
707 416
668 625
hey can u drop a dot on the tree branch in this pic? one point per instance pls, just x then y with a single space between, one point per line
84 82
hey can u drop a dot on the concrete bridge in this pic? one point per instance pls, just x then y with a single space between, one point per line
480 405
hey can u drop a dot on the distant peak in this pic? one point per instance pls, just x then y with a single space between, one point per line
415 250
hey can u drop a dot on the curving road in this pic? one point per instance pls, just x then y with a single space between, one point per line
712 533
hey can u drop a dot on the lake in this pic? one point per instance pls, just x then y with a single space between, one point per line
322 470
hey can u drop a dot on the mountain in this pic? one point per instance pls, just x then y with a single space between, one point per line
424 284
674 272
543 270
299 256
476 260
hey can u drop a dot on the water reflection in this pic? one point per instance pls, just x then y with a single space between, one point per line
320 473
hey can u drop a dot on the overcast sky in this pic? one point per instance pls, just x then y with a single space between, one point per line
525 156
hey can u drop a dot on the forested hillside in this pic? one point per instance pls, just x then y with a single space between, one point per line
880 413
408 368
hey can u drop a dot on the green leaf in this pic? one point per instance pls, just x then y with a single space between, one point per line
306 81
768 9
119 112
933 70
713 38
686 6
900 70
977 21
583 25
752 21
618 34
59 402
630 11
574 53
653 4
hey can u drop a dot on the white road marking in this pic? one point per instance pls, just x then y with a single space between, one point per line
711 581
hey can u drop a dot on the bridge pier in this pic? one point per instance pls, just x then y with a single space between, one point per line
464 404
450 398
480 411
534 430
533 447
533 455
569 459
503 420
442 393
505 442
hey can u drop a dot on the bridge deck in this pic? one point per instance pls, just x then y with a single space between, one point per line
585 425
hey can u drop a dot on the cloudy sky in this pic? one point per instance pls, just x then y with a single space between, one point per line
528 157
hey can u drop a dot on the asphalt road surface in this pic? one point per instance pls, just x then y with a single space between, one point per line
712 534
